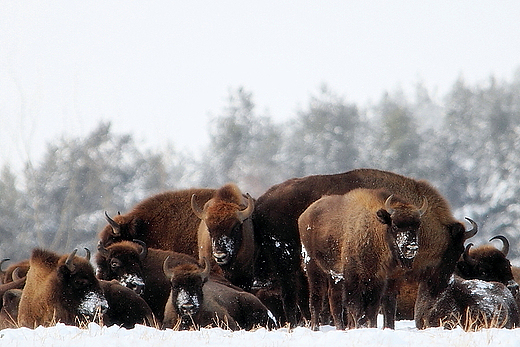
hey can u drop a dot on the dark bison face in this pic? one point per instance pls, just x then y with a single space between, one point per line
225 223
403 221
489 264
187 281
122 262
78 287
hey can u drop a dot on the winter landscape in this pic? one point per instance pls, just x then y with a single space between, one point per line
405 334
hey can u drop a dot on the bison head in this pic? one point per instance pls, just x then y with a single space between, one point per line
403 221
122 261
77 286
489 264
187 281
224 221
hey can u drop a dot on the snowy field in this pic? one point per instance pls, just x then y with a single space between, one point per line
405 334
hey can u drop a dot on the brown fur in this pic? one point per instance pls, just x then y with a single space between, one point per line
219 219
163 221
10 294
23 266
50 294
344 237
277 211
220 305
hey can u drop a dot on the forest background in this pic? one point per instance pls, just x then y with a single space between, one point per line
464 143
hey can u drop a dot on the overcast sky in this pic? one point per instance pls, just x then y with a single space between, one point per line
160 69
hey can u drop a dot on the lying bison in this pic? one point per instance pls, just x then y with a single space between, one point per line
276 229
360 244
163 221
59 289
197 301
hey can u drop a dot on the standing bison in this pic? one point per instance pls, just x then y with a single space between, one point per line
359 243
275 222
226 234
59 289
163 221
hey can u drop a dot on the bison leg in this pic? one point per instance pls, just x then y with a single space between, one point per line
317 291
336 302
389 304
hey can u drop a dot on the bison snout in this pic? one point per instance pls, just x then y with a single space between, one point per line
93 303
221 258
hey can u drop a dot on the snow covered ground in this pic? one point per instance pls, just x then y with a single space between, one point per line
405 334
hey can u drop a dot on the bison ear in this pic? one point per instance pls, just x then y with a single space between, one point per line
384 217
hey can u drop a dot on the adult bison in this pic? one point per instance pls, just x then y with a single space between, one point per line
276 228
59 288
226 233
163 221
357 247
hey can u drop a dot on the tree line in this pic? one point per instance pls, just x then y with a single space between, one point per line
464 144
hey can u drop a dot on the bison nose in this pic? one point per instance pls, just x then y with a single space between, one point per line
188 308
220 257
137 288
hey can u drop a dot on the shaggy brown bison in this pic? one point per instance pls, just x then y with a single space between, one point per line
488 263
10 293
141 269
357 245
196 301
22 266
59 289
276 228
472 304
163 221
226 234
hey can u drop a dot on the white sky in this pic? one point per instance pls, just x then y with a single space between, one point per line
159 69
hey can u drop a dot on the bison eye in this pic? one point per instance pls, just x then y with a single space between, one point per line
114 264
80 283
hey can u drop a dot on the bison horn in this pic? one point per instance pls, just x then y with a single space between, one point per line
473 231
144 249
167 271
388 201
2 263
101 249
248 211
424 206
196 208
87 256
68 262
505 241
16 274
116 228
467 258
207 269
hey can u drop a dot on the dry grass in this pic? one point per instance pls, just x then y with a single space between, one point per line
472 321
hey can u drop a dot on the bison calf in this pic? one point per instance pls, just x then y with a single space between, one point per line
357 245
198 302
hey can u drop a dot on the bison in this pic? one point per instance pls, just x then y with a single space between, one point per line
488 263
59 289
10 293
7 275
226 234
356 246
197 301
163 221
472 304
275 222
139 268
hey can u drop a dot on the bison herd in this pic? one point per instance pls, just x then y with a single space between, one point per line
325 249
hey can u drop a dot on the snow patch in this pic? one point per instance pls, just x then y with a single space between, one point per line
92 303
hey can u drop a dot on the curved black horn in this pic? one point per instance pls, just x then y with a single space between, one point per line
248 211
196 208
16 274
505 241
116 229
144 248
2 263
87 256
68 263
473 231
467 258
101 249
